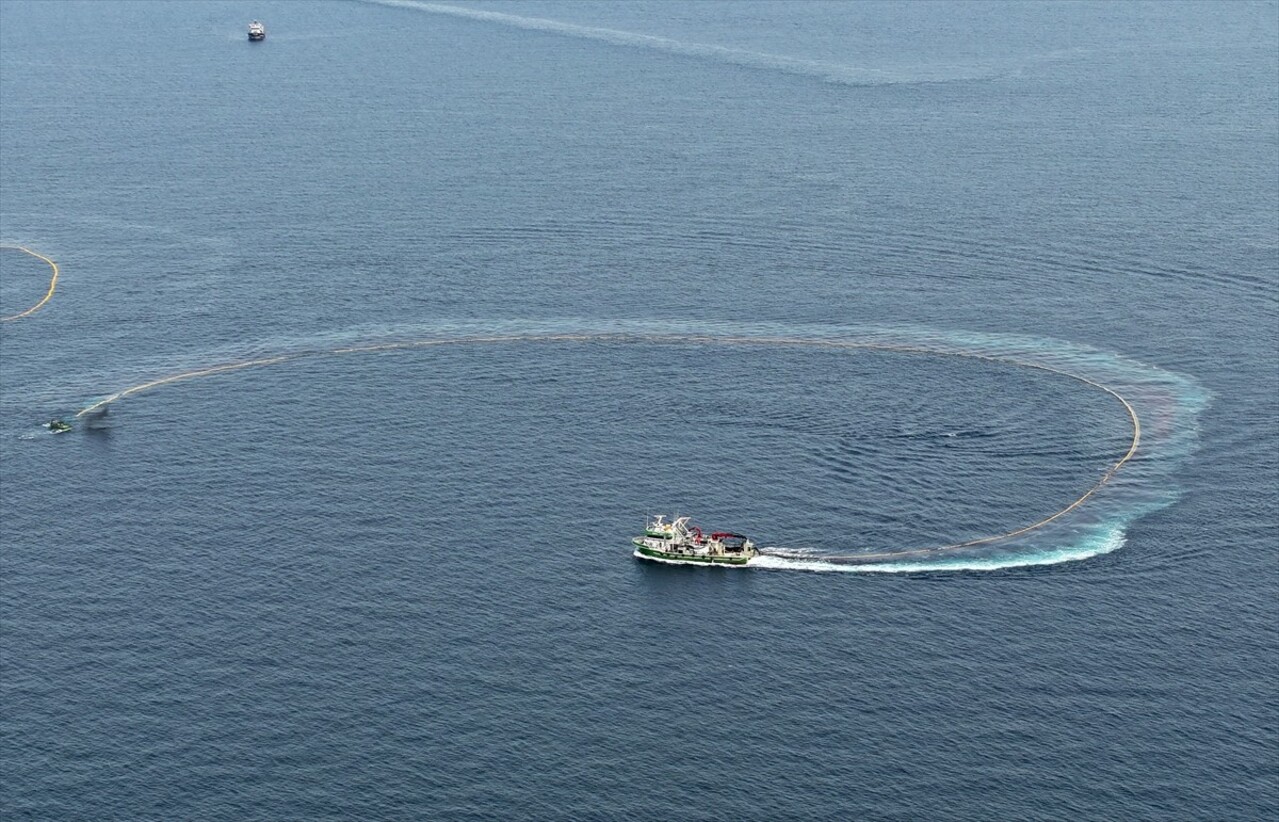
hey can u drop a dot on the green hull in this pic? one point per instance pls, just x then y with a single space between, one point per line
670 557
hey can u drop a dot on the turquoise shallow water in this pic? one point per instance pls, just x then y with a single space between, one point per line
398 584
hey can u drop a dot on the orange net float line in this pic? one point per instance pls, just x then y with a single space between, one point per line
53 282
1106 477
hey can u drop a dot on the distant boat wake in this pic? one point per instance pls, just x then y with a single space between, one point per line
840 73
1162 408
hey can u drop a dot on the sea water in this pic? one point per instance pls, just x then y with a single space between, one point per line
527 273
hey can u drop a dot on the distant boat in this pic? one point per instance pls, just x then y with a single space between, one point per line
257 31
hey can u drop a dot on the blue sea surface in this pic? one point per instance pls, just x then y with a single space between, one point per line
648 244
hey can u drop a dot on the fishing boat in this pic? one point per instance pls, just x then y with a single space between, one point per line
257 31
681 543
57 426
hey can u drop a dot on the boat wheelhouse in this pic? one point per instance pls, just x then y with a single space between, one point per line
682 543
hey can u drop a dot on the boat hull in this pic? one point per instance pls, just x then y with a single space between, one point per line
654 555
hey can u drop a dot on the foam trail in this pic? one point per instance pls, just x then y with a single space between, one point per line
1142 480
840 73
1105 541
